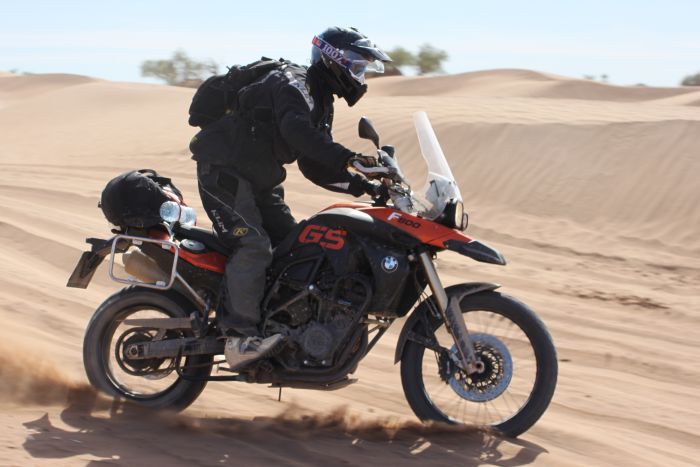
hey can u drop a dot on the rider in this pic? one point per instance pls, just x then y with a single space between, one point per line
285 116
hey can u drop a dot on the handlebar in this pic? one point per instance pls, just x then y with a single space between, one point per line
392 184
377 172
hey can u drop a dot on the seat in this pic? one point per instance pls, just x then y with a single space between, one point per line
204 236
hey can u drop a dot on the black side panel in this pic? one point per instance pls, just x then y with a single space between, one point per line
289 242
391 271
351 242
415 284
385 251
365 225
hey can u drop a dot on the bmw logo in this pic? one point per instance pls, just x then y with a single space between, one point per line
390 264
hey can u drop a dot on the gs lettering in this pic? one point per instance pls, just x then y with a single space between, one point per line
332 239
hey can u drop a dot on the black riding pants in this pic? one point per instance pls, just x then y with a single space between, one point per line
249 222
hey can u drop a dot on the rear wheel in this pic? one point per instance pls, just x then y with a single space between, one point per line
516 377
151 382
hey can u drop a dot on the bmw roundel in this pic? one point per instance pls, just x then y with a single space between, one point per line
390 264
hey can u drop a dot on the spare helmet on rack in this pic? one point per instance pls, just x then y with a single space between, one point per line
344 56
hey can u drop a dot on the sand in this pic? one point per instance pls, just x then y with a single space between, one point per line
589 190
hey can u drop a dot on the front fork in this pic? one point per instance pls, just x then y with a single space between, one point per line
452 316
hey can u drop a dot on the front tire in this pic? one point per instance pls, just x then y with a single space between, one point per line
517 384
158 387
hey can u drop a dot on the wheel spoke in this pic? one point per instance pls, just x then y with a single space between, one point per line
489 398
137 378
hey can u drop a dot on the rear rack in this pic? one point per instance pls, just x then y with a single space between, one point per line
165 244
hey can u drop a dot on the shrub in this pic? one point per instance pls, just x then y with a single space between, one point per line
180 70
691 80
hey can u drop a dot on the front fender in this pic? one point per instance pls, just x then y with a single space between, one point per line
476 250
422 313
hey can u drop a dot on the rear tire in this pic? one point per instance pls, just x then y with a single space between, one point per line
544 369
97 348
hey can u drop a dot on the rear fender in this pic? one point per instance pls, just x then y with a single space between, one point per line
422 313
91 260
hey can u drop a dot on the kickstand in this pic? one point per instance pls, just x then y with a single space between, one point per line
279 396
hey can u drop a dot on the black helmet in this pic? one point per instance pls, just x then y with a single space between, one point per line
344 55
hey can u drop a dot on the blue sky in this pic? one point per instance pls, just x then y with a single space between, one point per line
645 41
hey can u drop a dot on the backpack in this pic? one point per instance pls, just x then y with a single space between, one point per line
133 199
218 95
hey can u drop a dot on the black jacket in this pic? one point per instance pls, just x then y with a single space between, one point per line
286 116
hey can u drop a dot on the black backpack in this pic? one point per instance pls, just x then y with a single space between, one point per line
133 199
218 95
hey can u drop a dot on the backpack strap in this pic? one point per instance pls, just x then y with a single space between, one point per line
162 181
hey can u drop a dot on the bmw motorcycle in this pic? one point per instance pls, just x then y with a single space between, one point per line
469 354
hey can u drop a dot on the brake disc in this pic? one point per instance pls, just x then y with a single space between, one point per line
493 378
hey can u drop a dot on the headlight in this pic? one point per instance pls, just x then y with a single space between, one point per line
454 216
461 219
170 211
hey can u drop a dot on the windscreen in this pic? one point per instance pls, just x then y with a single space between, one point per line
440 185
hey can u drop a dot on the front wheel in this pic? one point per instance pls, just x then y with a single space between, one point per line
517 374
151 382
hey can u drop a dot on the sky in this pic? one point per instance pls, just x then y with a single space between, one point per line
652 42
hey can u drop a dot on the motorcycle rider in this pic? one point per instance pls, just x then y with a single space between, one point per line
284 117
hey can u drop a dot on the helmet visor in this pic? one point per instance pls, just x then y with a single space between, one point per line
370 49
358 65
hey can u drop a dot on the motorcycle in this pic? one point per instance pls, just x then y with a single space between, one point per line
468 353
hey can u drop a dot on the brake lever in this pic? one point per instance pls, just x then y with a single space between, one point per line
375 173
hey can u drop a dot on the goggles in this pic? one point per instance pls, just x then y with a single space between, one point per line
355 63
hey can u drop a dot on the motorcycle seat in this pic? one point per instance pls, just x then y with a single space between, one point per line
205 236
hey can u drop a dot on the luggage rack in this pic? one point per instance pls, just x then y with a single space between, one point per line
136 241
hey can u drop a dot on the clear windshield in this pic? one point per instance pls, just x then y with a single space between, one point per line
440 185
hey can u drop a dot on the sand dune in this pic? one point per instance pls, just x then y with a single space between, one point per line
519 83
588 189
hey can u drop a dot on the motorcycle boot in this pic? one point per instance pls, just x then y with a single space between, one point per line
240 351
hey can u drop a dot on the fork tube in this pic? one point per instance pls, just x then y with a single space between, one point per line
433 280
452 317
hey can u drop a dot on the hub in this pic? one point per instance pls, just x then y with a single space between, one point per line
494 370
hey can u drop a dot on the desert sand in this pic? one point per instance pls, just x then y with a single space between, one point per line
589 190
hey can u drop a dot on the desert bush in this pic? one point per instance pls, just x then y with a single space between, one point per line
429 59
602 78
179 70
691 80
402 57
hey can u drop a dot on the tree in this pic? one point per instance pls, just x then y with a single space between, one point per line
180 70
429 59
402 57
691 80
602 78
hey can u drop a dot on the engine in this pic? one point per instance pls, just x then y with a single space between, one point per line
318 317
